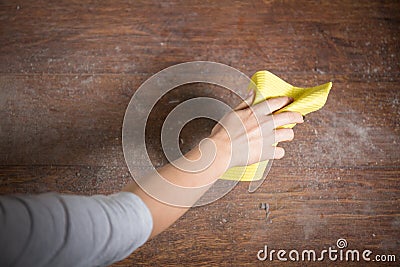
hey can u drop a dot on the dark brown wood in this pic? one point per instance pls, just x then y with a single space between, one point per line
69 68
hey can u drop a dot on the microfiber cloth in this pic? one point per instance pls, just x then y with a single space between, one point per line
305 100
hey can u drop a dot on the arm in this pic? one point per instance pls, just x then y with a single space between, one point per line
68 230
250 130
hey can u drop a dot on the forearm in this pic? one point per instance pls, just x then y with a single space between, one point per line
164 214
241 138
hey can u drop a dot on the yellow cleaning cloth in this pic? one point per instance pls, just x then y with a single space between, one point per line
306 100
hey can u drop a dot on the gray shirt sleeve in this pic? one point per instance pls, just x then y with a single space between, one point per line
68 230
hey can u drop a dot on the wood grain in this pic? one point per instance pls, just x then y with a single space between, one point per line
69 68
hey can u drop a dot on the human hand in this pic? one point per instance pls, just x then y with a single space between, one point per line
248 134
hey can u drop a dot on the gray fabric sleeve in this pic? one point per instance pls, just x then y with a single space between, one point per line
68 230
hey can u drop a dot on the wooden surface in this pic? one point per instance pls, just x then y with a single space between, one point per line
69 68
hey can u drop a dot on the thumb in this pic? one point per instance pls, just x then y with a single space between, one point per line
247 102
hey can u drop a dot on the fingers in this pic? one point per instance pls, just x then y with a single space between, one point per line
280 136
260 116
269 106
246 103
278 102
284 135
279 153
286 118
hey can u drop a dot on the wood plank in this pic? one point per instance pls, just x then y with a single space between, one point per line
127 37
78 121
83 180
68 70
233 229
308 208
